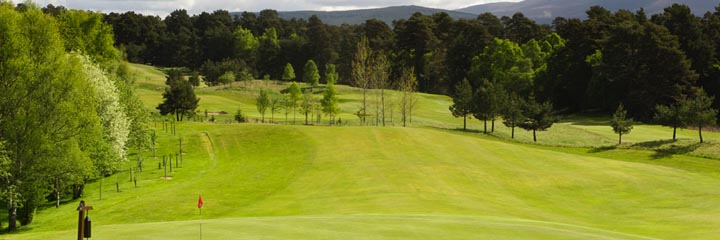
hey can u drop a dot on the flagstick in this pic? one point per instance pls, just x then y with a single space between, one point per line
200 223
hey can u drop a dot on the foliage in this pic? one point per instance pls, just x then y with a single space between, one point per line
48 113
179 97
488 102
115 123
462 101
239 117
262 102
295 96
620 123
288 73
85 32
330 102
331 75
227 78
407 87
275 104
674 115
503 63
194 79
361 72
311 75
307 105
268 59
701 114
512 113
538 116
212 71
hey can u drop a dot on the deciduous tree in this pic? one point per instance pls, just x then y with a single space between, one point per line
310 73
288 73
262 102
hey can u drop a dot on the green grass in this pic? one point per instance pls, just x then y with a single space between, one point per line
268 181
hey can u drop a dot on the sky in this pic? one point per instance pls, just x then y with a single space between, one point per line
164 7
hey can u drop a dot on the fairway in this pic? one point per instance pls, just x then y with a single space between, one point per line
303 182
427 181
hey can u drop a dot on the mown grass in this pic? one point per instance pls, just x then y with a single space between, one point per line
268 181
293 172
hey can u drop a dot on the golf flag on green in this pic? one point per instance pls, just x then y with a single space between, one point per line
200 202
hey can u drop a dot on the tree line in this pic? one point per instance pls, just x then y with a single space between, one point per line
606 59
68 109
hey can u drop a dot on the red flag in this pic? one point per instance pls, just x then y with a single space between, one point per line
200 202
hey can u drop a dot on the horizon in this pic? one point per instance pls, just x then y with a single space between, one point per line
165 7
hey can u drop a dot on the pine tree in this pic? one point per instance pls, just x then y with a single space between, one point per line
620 123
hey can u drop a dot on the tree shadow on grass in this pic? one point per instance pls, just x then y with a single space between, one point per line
674 150
662 148
602 149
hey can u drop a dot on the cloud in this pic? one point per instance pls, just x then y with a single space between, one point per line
164 7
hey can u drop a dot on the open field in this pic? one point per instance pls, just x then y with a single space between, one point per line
430 181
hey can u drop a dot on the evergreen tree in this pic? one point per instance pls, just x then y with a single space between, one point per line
462 101
512 113
620 123
487 103
538 116
179 97
701 113
674 115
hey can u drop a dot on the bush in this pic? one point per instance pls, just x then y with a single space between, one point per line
239 117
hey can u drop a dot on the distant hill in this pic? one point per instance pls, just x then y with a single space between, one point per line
544 11
387 14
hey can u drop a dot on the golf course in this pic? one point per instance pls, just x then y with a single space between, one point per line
429 180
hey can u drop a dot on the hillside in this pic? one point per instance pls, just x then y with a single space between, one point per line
388 14
544 11
283 181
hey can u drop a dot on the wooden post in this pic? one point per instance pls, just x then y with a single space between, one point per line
82 211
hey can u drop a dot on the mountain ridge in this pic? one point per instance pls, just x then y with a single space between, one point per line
544 11
386 14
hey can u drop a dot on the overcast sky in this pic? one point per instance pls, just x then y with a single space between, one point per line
164 7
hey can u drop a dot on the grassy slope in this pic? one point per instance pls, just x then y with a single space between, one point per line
261 181
347 188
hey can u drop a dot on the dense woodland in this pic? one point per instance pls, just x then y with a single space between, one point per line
69 112
68 109
578 65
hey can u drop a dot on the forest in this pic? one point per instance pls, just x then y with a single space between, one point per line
589 65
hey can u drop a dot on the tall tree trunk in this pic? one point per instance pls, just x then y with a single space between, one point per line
382 93
674 131
485 126
534 137
57 192
700 133
512 132
294 116
12 214
492 128
619 138
465 122
364 105
306 118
